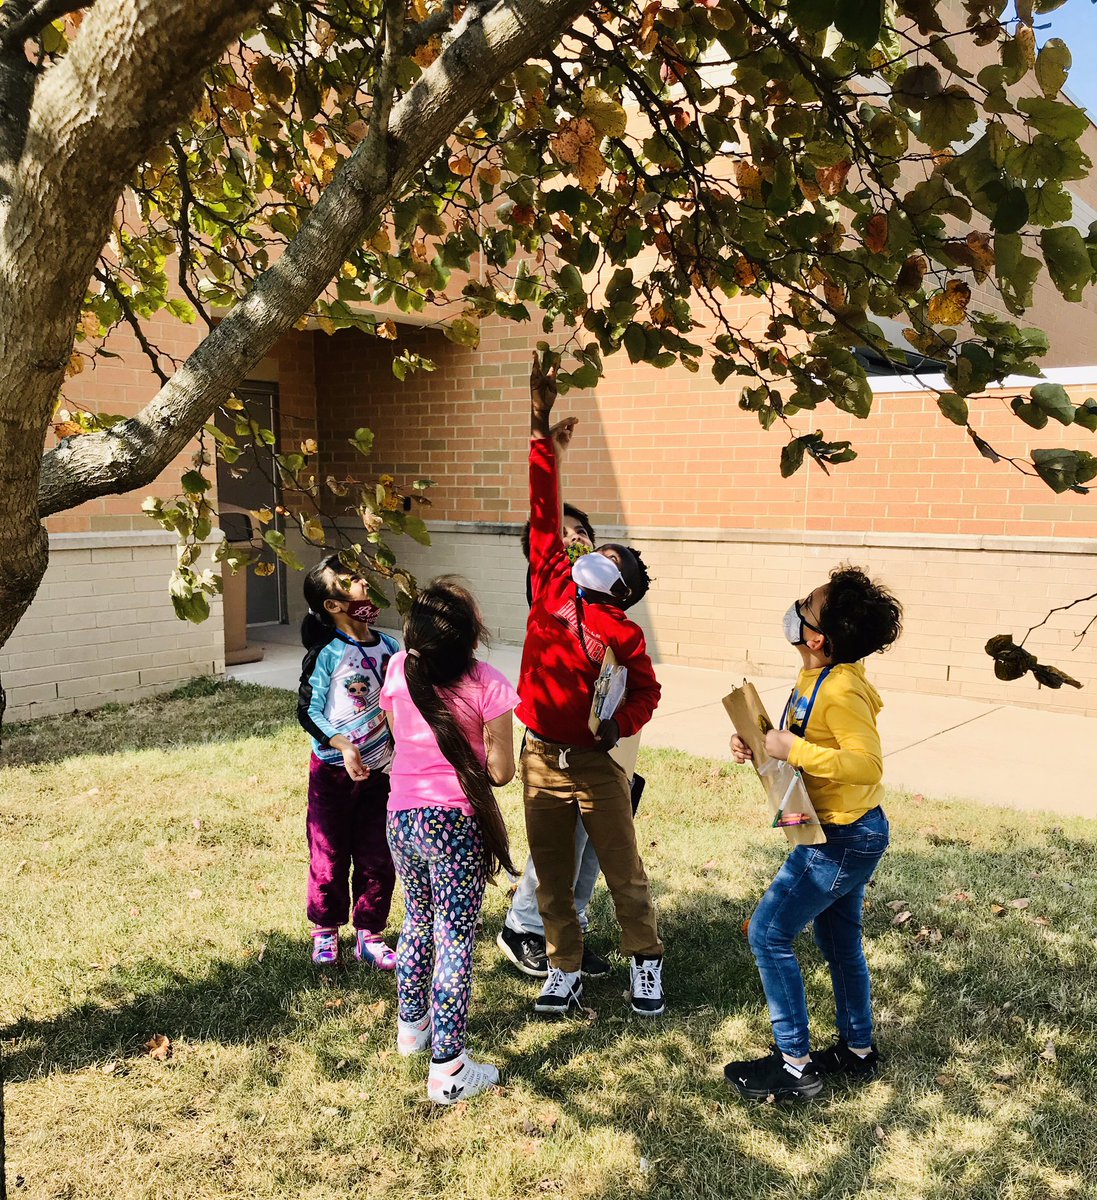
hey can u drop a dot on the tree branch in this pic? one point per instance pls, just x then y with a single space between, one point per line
135 451
36 19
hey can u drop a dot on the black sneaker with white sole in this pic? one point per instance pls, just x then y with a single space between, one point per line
839 1062
562 993
761 1078
594 965
525 950
646 986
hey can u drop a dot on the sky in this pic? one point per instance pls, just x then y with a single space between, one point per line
1076 24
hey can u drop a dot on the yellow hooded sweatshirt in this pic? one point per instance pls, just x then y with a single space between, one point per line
840 756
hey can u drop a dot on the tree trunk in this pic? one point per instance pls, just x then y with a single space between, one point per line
130 76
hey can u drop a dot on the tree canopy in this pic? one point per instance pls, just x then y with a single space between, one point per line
616 172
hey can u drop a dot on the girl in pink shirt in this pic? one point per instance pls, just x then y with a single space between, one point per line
451 721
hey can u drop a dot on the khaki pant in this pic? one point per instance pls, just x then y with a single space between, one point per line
592 785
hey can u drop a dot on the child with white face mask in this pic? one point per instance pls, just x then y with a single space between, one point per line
828 731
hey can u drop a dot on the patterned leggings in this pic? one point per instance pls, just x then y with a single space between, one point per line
439 856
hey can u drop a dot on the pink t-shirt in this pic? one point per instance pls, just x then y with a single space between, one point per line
421 776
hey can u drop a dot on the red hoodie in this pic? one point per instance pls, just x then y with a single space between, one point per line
556 685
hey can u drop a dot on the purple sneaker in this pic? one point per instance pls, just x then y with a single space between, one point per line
371 949
325 947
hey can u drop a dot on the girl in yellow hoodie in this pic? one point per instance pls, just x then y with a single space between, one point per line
828 730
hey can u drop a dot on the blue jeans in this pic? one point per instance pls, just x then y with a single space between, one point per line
824 884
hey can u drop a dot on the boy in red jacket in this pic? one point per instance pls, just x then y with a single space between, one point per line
577 613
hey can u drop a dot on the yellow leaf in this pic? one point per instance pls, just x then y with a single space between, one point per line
75 364
314 530
949 307
309 446
89 324
387 330
263 515
1026 42
748 179
264 568
604 113
490 175
426 54
326 324
461 166
591 168
159 1048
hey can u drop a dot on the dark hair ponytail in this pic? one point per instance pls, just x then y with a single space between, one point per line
441 632
322 583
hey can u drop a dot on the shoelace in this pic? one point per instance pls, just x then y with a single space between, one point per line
557 982
647 981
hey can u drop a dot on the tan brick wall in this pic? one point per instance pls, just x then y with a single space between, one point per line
717 602
103 629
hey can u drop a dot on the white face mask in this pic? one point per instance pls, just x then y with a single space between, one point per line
596 572
794 624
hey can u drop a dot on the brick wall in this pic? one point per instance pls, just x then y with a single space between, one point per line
102 628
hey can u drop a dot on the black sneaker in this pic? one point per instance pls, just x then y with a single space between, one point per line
525 950
594 965
646 986
840 1061
563 992
762 1078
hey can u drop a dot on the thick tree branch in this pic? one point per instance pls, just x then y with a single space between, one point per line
36 19
134 452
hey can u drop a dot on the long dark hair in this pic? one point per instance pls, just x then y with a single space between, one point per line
323 583
443 629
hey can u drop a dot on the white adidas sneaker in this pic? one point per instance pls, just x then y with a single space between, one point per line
413 1037
562 992
459 1079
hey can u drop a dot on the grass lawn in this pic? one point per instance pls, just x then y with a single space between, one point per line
153 866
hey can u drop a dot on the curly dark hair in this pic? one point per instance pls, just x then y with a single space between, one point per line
570 510
859 617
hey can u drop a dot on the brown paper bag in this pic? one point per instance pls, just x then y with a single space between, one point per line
783 784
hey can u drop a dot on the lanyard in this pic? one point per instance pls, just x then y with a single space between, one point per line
367 658
801 731
582 630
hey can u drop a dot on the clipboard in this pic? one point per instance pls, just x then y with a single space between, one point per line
788 797
609 690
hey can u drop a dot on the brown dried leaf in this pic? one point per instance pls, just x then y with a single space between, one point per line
901 918
832 179
1023 902
461 165
996 910
159 1047
591 168
945 1080
897 905
334 1002
948 307
194 894
876 233
1048 1053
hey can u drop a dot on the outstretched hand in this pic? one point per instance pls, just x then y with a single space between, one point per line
542 396
562 433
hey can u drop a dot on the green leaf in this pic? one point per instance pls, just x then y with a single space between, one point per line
464 332
1052 65
1053 399
1086 415
1058 468
362 441
416 529
194 483
792 457
1029 413
1067 260
183 311
954 408
1053 117
948 117
636 342
860 21
1016 271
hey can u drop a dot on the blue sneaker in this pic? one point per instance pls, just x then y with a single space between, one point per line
325 947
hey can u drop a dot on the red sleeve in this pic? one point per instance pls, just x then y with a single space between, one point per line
643 691
547 558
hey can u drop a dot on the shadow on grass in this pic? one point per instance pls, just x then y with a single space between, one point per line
200 712
971 1100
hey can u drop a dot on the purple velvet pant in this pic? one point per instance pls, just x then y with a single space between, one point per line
350 866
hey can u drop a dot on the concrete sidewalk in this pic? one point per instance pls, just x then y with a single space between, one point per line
937 745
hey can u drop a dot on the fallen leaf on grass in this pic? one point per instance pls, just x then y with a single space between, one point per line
108 1068
340 1064
945 1080
262 952
881 1136
1004 1074
711 865
1041 921
932 937
591 1015
377 1008
329 1111
897 905
1048 1053
194 894
1023 902
996 910
334 1002
159 1047
901 918
20 866
92 792
197 822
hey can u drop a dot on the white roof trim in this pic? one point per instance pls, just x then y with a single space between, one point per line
902 384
